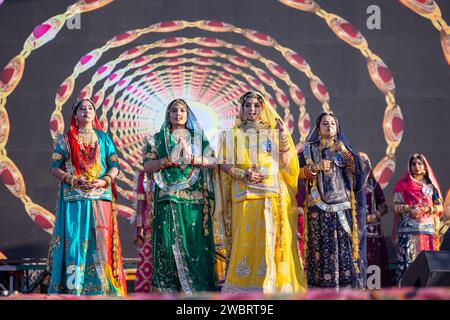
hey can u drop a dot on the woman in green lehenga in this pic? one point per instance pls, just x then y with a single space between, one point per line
179 160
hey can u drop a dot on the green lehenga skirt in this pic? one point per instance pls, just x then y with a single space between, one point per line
182 256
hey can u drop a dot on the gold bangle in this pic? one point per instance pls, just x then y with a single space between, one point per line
284 143
237 173
284 147
310 172
348 156
72 181
108 179
398 208
233 172
163 163
65 176
433 209
113 179
166 162
402 208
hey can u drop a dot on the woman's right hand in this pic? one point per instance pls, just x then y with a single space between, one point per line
139 239
393 239
176 152
323 165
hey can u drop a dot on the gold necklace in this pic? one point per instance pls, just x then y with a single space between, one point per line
85 131
86 137
258 125
419 177
326 142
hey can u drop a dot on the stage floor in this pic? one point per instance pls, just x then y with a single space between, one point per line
313 294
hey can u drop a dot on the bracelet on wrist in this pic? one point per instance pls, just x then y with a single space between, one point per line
72 182
108 179
107 183
165 162
238 173
64 177
284 143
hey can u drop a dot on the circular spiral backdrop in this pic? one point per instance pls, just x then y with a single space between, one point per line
132 58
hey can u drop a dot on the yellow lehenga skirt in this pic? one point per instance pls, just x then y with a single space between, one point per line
264 254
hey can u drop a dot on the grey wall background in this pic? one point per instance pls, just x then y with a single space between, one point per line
408 44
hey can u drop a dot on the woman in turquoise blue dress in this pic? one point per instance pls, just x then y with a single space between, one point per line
85 254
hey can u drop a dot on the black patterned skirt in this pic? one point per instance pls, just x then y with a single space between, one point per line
329 255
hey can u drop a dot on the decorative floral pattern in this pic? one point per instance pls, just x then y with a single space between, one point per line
329 260
242 269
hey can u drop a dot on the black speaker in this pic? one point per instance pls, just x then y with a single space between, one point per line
430 269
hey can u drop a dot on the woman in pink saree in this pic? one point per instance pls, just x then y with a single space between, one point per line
417 212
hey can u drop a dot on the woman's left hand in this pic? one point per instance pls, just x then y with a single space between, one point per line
415 212
280 126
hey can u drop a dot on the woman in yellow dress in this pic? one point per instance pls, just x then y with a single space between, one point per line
258 177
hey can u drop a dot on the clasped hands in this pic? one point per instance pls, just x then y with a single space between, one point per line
325 165
253 175
83 183
181 153
416 211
